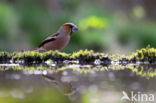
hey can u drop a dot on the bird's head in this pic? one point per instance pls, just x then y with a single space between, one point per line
70 27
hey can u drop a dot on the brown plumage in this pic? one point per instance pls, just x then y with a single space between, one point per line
60 39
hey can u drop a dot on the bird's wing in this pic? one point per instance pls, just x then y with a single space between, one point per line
49 39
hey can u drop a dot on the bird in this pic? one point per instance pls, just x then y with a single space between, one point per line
60 39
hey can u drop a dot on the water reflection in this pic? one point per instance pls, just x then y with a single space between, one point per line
73 83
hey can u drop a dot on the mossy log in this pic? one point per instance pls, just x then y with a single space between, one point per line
144 56
142 62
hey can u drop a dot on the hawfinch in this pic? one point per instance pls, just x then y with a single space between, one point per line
60 39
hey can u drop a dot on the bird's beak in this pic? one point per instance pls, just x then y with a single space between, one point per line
75 29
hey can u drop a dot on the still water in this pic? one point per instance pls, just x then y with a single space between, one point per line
77 84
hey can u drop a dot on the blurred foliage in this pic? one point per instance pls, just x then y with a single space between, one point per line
8 20
45 95
93 22
103 27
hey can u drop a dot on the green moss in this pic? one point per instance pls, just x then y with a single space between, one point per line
3 53
54 53
139 70
4 57
147 71
33 54
83 56
86 53
144 54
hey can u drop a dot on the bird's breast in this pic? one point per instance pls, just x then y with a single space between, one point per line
58 44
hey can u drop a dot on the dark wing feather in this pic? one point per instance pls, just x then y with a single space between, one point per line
49 39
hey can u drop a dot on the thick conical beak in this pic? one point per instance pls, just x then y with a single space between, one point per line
75 29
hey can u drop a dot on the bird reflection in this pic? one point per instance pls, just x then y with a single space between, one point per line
65 86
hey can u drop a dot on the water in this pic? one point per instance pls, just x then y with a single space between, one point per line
76 83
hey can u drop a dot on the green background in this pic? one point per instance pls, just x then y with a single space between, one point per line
119 26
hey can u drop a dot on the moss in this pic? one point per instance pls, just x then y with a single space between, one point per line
140 70
37 57
85 59
83 56
4 57
144 54
86 53
147 71
29 57
89 56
